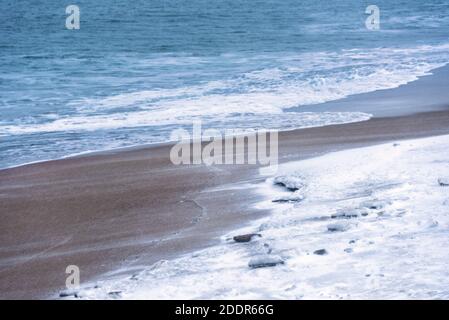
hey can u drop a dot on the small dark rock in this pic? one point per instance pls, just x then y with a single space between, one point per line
443 182
281 201
348 250
290 198
65 294
265 261
246 237
320 252
287 200
290 183
282 184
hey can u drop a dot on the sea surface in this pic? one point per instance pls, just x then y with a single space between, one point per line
137 70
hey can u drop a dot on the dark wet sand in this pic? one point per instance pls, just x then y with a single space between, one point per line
129 208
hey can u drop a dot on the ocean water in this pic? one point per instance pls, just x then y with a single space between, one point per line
136 70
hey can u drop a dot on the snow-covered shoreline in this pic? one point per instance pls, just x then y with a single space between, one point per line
362 223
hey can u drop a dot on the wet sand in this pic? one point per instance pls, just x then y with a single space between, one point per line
112 212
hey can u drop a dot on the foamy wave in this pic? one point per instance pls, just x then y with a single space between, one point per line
285 121
285 81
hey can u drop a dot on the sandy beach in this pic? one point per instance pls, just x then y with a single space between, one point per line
97 98
126 209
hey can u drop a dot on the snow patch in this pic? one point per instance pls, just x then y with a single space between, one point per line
377 213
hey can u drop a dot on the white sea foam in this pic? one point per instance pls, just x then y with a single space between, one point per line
284 81
283 121
391 243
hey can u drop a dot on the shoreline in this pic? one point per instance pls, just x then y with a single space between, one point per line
121 211
379 104
167 143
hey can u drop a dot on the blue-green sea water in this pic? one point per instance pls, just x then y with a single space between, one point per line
136 70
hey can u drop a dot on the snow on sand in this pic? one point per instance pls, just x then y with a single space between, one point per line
363 223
